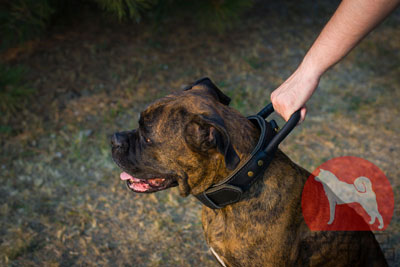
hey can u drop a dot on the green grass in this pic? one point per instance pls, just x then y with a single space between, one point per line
22 20
14 90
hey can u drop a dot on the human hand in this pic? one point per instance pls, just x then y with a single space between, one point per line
293 94
350 23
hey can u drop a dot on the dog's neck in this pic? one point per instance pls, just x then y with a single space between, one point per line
244 140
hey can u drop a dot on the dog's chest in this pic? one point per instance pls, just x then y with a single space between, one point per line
237 240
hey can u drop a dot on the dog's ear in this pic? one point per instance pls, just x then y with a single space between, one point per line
211 89
203 134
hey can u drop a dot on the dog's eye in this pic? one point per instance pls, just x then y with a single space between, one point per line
148 141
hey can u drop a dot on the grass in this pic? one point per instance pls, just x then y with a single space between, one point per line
61 202
14 90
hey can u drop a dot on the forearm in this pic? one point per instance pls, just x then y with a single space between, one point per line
351 22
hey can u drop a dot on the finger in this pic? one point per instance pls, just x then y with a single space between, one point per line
277 109
303 112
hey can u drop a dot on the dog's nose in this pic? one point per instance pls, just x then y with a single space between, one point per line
119 140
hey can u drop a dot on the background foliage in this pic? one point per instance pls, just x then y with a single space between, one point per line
13 87
22 20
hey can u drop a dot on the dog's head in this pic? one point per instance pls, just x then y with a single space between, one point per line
183 139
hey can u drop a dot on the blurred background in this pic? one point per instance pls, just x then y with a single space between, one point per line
74 72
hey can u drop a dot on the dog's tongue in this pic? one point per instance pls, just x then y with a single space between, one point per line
135 183
139 184
125 176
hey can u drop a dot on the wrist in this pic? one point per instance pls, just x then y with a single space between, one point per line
309 73
312 68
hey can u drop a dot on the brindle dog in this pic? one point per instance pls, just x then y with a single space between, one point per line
192 140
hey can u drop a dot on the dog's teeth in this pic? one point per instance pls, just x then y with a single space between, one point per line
156 181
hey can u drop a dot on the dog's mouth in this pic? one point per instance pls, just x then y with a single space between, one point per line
150 185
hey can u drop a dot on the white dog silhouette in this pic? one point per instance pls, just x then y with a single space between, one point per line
339 192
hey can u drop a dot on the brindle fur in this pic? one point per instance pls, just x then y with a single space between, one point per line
266 228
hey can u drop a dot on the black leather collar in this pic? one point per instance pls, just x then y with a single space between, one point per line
231 189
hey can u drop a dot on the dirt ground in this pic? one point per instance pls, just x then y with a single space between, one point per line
61 200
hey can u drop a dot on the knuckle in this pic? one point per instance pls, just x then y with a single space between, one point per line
273 97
